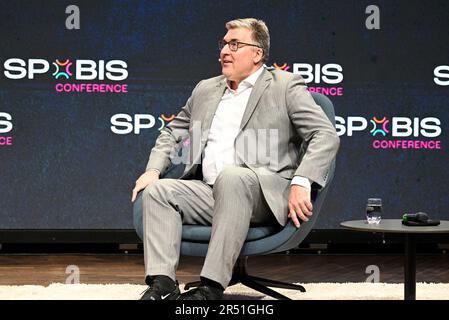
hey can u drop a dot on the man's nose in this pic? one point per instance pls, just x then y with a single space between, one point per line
225 50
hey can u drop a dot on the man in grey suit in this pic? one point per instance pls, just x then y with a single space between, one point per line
245 165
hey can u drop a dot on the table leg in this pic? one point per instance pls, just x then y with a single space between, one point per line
410 267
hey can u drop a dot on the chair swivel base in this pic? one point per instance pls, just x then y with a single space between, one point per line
240 275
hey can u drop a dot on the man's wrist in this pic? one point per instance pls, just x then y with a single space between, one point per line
155 170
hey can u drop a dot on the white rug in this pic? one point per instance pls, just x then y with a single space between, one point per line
315 291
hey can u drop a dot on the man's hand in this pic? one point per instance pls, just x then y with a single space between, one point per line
144 180
299 204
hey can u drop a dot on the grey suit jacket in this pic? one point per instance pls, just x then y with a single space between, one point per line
279 108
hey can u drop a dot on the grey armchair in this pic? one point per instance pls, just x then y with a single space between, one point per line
260 240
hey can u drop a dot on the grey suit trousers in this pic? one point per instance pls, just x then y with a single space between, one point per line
234 202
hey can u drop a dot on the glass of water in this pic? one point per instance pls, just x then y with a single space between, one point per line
374 210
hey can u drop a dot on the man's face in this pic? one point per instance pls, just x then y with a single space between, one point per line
237 65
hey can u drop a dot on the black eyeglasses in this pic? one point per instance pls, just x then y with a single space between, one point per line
235 45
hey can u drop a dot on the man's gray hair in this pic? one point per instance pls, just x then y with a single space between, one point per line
260 34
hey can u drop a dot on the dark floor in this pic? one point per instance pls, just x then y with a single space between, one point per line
43 269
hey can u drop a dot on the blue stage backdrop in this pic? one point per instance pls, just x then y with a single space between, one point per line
80 108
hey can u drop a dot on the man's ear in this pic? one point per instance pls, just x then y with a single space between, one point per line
258 55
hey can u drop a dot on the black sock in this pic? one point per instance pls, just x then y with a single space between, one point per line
212 284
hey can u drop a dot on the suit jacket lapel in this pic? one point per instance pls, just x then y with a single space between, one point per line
196 148
214 101
259 88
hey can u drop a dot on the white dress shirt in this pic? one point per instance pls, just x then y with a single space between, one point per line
219 151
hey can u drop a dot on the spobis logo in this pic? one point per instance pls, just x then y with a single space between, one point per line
5 127
441 74
123 123
85 70
329 74
396 127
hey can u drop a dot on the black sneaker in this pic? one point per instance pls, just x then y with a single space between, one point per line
161 288
203 292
